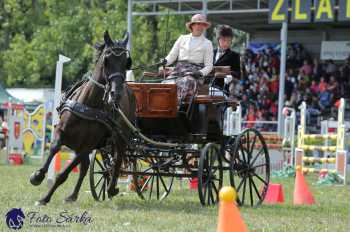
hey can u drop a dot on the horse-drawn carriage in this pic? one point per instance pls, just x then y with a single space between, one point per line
162 141
187 141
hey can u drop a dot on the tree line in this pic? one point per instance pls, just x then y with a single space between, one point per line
34 32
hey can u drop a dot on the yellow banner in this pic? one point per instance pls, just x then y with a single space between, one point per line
299 11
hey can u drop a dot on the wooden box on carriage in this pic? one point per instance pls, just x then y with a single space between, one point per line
155 100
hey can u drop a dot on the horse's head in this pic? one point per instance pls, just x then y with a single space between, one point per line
116 60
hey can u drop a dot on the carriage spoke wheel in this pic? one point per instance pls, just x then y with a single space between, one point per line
152 185
100 176
210 175
250 168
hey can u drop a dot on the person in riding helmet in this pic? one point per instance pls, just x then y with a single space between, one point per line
194 56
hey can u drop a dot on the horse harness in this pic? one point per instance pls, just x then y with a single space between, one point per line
103 116
108 118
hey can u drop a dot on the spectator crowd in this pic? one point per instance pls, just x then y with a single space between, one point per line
319 84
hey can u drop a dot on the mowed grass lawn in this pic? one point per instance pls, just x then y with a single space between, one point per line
180 212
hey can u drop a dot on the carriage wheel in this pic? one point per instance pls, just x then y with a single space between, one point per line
250 167
210 175
152 184
100 169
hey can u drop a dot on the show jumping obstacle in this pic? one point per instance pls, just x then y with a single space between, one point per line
338 151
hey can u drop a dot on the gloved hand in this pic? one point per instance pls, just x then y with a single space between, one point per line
163 61
197 74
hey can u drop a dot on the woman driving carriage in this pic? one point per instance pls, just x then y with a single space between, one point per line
194 55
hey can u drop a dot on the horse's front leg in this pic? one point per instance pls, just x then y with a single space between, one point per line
60 179
39 175
84 166
112 190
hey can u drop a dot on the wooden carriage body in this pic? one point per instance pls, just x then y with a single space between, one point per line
158 115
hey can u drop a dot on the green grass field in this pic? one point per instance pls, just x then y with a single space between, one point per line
180 212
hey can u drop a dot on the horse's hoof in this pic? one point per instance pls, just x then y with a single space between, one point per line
113 192
36 178
40 203
70 199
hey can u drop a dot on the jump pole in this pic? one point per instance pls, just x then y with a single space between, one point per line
58 89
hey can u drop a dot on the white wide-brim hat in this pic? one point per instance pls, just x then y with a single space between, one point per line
198 18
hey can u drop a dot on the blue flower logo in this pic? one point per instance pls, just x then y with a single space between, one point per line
15 218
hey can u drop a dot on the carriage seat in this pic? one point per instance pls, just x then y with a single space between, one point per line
151 74
217 72
206 99
159 74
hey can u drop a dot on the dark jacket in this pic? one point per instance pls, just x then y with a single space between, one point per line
229 58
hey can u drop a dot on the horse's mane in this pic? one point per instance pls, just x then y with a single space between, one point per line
98 47
69 92
98 52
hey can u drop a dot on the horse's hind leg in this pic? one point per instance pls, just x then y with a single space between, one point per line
60 179
39 175
84 166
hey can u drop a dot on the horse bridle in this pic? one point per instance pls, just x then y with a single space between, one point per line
112 76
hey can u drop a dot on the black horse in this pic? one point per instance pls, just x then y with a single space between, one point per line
85 117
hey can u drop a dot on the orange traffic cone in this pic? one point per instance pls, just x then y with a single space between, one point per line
302 194
229 216
57 164
274 194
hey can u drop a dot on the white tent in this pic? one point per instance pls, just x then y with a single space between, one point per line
32 95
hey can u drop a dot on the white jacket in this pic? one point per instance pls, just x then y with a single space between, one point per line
198 52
